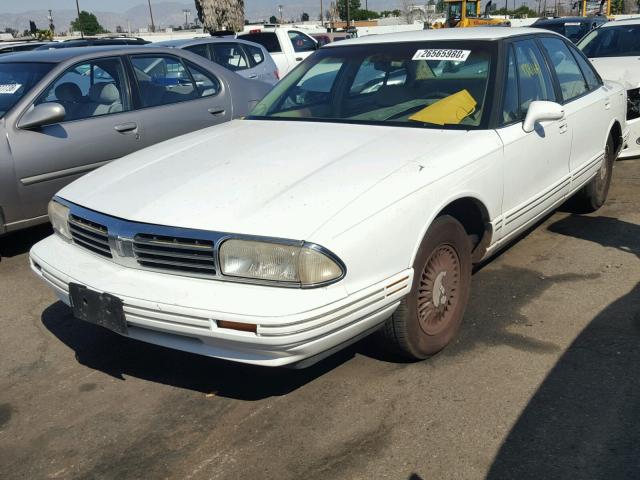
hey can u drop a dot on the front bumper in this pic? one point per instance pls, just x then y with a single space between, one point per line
631 146
183 312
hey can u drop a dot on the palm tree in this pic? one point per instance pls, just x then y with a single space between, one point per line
218 15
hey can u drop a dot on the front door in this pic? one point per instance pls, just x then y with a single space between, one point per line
99 126
536 172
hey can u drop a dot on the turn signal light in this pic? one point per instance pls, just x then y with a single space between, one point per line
243 327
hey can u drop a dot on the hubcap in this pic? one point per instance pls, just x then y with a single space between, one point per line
438 289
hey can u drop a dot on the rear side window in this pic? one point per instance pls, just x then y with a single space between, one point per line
301 42
572 83
163 80
201 50
255 54
590 75
268 40
229 55
533 75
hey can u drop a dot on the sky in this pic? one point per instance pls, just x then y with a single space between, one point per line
19 6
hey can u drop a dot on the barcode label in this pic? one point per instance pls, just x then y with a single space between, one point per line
442 54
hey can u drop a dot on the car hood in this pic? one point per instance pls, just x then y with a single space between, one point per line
624 70
271 178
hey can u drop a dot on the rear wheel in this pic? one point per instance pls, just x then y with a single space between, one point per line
594 194
429 317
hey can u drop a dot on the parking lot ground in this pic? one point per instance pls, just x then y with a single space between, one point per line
542 382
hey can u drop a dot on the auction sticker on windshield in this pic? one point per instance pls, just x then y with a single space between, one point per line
9 89
442 54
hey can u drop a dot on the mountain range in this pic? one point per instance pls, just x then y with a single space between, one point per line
171 13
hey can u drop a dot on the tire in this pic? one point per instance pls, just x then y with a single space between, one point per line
423 324
593 195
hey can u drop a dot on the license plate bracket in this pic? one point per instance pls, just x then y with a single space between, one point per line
98 308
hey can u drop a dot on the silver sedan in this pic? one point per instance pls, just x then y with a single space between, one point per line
66 112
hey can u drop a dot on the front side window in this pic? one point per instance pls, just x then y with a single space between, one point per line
90 89
572 82
511 103
614 41
17 79
163 80
200 49
429 84
534 78
301 42
229 55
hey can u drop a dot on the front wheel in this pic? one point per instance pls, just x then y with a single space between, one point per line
429 316
594 194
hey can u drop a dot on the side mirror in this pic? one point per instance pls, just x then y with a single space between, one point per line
539 111
43 114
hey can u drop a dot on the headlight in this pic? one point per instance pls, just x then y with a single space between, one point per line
295 264
59 217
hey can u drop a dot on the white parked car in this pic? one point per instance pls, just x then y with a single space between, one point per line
356 197
287 46
614 49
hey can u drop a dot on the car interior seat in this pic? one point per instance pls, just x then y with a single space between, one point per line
69 95
104 98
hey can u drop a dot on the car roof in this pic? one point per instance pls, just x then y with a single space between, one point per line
561 20
197 41
478 33
62 54
625 21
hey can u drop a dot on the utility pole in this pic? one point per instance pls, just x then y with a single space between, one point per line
280 13
321 14
346 2
153 25
186 12
79 19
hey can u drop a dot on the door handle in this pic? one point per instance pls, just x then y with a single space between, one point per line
298 59
563 128
216 111
126 127
253 75
607 105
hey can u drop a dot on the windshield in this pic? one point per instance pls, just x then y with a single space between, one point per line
16 79
618 41
441 84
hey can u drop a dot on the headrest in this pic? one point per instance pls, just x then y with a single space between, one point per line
68 92
106 93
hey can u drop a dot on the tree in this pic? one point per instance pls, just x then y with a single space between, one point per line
354 5
304 17
218 15
273 19
119 29
364 15
87 23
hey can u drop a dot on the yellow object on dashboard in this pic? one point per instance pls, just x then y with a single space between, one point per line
450 110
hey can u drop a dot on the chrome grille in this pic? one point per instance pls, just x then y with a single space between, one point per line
178 254
90 235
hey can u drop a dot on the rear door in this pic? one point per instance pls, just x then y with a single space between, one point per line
585 104
99 126
174 96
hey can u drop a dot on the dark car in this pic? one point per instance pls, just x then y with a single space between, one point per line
20 46
94 42
68 111
574 28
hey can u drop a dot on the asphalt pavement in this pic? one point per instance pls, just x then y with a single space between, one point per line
542 382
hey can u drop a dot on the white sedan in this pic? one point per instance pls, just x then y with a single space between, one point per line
614 49
356 197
